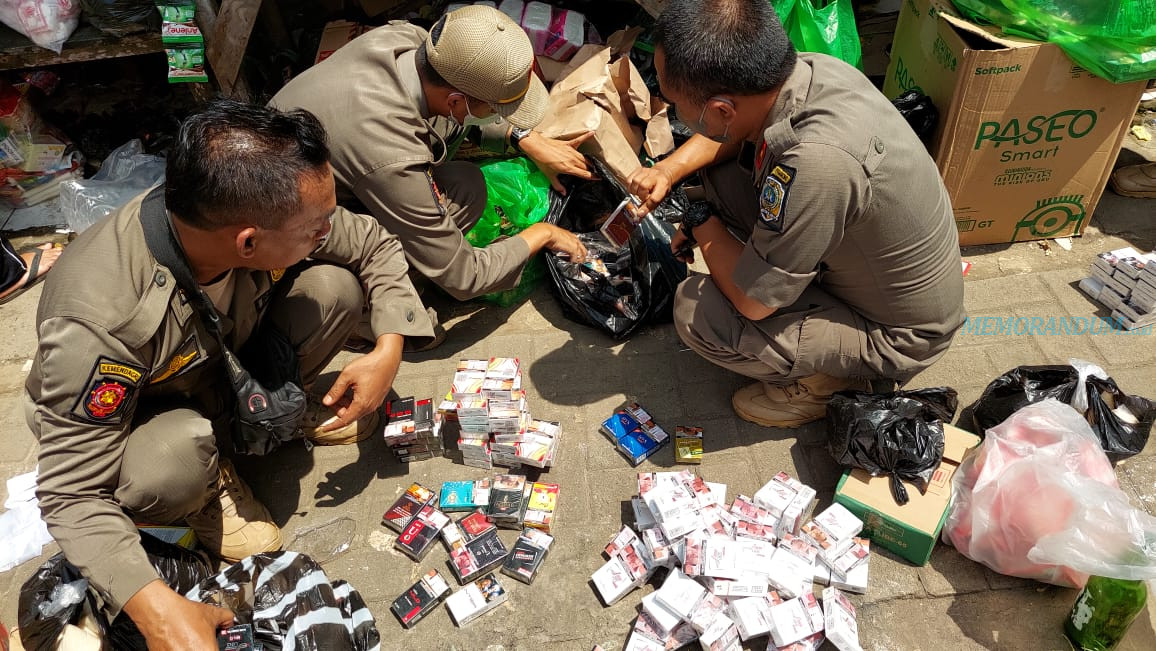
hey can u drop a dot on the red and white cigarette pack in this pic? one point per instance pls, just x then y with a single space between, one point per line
839 618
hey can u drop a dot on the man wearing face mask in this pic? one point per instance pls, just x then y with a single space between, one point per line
396 102
829 236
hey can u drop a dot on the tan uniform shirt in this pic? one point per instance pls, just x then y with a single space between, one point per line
368 96
115 335
848 198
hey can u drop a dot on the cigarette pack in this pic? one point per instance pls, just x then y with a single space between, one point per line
613 581
858 554
792 621
751 616
400 419
422 531
813 643
721 635
639 642
542 507
476 599
476 524
791 574
236 638
487 550
621 540
507 498
718 492
694 555
855 581
681 635
839 620
662 618
775 496
688 444
748 529
660 550
680 594
636 446
503 368
833 531
636 561
746 585
530 549
466 384
744 508
421 598
705 612
463 563
411 501
721 558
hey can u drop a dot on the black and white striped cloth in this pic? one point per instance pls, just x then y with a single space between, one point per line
291 604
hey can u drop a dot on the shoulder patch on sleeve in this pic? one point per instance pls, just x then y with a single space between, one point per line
773 197
110 387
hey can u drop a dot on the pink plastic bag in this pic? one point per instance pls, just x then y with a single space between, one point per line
1039 500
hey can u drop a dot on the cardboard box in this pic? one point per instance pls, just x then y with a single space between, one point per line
1026 138
912 529
336 34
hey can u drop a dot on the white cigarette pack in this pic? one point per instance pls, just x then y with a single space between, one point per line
839 619
747 585
751 616
659 548
705 612
775 496
859 553
855 581
613 581
721 635
643 518
640 642
833 531
790 573
476 599
794 620
680 594
661 616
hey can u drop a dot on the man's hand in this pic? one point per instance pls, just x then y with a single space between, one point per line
370 377
557 157
650 185
169 621
548 236
681 247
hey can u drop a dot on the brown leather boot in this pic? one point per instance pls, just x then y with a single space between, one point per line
234 524
317 414
1135 181
790 405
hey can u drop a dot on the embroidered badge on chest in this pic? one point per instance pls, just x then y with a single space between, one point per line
773 198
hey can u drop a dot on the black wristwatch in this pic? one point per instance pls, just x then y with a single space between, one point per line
516 136
696 215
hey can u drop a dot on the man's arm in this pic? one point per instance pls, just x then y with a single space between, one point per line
721 251
652 184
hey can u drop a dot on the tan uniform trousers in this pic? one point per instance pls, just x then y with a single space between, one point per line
170 462
816 334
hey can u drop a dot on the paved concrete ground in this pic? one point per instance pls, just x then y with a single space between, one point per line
576 376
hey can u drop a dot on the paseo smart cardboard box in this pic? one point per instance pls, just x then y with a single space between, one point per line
1026 138
911 530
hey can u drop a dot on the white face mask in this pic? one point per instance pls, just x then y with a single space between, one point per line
701 127
473 120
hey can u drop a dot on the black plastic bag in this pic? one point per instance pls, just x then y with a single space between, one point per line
641 277
898 434
1122 422
179 568
122 17
920 113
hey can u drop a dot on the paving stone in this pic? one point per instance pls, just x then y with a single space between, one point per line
890 578
949 573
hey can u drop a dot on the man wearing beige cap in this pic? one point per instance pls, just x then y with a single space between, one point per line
396 102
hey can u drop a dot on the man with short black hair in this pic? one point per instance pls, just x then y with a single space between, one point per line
397 102
128 394
828 234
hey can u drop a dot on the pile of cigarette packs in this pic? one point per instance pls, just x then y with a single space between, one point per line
412 430
634 433
737 573
488 404
476 552
1124 281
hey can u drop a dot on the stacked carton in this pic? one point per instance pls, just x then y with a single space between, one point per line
736 573
1124 281
487 401
412 431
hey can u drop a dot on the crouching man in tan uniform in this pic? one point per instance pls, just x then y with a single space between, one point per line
127 394
396 102
829 236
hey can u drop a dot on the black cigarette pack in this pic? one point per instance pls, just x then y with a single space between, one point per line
507 499
488 550
236 638
420 599
411 501
421 533
527 555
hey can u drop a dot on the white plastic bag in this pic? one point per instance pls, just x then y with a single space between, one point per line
1039 500
126 173
48 23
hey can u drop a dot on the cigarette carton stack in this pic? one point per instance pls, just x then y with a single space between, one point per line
412 430
1124 281
634 433
737 573
487 401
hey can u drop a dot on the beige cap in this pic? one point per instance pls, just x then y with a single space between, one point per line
484 54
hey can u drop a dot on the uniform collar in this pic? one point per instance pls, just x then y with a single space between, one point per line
411 81
792 95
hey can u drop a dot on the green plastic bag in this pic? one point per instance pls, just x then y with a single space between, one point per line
517 195
825 26
1115 39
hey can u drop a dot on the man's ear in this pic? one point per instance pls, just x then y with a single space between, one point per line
245 242
725 107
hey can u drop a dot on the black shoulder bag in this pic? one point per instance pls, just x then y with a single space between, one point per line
268 406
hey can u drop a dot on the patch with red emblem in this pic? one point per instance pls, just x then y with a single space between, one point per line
109 393
105 399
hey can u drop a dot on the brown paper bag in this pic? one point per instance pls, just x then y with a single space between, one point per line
601 91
